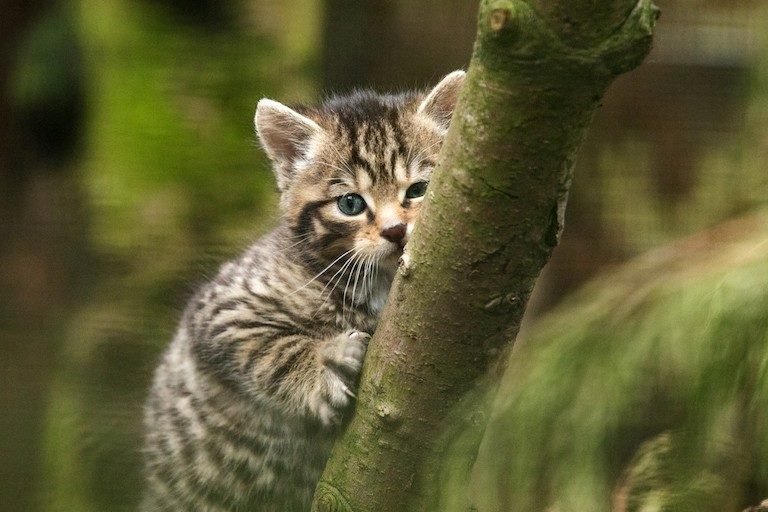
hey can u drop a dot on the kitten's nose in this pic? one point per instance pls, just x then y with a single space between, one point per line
395 233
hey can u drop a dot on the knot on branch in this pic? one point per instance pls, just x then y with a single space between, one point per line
503 303
389 414
329 499
514 31
503 20
498 19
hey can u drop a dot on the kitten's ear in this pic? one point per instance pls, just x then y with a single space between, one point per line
285 135
440 102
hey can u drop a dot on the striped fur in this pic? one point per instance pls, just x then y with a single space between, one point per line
251 393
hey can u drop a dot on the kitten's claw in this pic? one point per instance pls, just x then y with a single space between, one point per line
346 352
359 335
350 393
404 264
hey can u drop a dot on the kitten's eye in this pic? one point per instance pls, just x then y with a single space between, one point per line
351 204
418 189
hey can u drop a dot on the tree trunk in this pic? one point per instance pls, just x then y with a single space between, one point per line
493 215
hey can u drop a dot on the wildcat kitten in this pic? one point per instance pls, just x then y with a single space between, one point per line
249 396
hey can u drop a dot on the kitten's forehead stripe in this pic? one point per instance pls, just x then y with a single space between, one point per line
374 132
366 148
399 169
356 158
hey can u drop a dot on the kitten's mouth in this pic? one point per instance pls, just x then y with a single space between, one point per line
396 250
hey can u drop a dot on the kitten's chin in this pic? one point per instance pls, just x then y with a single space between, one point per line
392 259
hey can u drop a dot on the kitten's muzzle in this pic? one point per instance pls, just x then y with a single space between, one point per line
395 234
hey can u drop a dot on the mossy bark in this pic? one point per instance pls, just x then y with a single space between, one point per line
493 215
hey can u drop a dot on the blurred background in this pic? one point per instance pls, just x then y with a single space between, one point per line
129 171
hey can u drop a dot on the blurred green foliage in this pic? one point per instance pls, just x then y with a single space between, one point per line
625 384
173 183
644 391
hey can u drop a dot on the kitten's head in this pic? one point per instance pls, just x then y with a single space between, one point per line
353 171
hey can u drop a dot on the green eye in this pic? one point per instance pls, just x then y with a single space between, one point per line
418 189
351 204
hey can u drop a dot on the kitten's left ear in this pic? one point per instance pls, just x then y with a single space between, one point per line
441 101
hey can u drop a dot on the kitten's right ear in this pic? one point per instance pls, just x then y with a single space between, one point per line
441 100
285 135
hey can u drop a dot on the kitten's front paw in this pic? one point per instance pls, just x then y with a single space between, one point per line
343 359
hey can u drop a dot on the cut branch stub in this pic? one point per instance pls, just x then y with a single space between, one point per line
514 32
501 18
492 216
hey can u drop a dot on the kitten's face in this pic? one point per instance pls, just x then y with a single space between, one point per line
353 186
361 187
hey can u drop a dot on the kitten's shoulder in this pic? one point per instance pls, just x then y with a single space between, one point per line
269 249
269 267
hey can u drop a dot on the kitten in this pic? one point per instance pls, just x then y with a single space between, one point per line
250 395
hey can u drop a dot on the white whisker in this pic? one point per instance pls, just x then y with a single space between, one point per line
340 274
367 283
341 158
321 273
374 272
340 271
346 287
344 169
357 278
301 239
422 152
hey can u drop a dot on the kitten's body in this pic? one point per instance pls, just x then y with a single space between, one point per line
249 397
215 436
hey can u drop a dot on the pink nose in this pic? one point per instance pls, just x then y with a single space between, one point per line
394 234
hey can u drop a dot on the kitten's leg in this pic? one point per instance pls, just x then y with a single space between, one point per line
342 358
304 376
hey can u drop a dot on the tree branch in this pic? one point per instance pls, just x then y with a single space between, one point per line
493 215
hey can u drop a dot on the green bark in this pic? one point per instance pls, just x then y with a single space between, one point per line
493 215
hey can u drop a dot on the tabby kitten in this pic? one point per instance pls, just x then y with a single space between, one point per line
249 396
